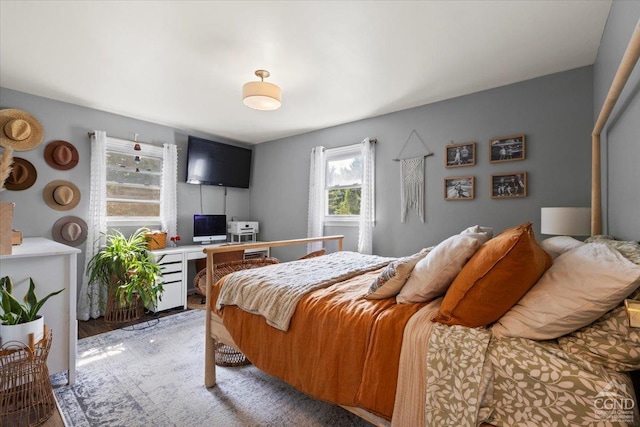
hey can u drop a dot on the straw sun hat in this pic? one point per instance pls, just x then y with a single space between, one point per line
23 175
70 230
61 195
19 130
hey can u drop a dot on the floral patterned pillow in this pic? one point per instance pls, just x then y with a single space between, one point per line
609 341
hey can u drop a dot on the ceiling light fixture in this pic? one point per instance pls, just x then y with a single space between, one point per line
261 95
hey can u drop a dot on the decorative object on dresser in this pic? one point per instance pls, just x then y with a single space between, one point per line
129 273
19 321
507 148
6 220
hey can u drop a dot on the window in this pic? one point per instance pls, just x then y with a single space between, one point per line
343 183
133 183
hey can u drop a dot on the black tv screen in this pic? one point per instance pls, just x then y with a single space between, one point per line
215 163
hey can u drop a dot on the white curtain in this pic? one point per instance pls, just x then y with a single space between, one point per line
168 193
315 225
89 297
367 198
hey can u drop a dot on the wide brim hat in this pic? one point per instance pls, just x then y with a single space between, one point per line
61 155
19 130
23 175
61 195
70 230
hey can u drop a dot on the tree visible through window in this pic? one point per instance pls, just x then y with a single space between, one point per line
343 181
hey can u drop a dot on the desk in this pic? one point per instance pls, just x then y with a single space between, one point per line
174 265
52 266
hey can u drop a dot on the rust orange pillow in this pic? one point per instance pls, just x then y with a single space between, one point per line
494 279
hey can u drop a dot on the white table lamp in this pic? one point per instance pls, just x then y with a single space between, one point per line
565 221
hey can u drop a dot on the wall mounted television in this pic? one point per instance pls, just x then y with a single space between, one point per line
209 229
215 163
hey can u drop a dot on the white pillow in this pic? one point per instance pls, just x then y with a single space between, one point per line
433 274
581 285
558 245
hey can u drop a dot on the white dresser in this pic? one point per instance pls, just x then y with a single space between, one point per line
52 266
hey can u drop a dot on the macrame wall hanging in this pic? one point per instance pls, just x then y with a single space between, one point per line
412 180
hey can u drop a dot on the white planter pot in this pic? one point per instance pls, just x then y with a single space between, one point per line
21 331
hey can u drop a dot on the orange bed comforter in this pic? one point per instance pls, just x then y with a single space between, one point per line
340 347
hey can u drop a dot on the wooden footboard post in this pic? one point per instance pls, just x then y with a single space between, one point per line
209 342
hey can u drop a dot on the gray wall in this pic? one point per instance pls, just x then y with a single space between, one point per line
71 123
555 113
620 140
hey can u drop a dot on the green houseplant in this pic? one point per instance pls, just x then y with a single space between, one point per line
129 273
18 320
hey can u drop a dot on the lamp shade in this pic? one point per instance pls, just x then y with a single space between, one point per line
261 96
565 221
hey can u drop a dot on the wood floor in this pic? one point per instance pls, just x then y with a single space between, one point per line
98 326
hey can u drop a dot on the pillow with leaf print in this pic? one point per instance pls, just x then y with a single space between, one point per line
609 341
393 277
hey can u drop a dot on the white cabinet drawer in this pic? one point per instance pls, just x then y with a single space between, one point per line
172 277
173 296
170 258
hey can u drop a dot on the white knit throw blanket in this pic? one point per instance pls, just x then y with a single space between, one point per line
275 290
412 194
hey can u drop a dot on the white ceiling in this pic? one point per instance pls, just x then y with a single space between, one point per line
183 63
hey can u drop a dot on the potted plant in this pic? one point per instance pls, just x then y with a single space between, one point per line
19 320
129 273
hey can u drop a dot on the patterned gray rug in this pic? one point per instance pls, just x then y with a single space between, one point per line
154 377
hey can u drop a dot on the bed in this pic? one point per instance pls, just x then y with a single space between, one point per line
392 364
532 356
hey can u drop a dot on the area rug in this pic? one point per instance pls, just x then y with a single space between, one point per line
154 377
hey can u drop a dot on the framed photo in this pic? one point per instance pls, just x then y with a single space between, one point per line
508 185
457 155
459 188
507 148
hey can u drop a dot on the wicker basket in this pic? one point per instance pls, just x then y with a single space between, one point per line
222 269
157 240
225 355
118 313
26 396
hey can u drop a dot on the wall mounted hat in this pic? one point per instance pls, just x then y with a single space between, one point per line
20 130
61 195
23 175
61 155
70 230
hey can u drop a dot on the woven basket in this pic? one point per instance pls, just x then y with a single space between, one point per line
156 240
117 313
222 269
225 355
229 356
26 396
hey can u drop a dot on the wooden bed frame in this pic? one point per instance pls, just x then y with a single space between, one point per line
215 330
